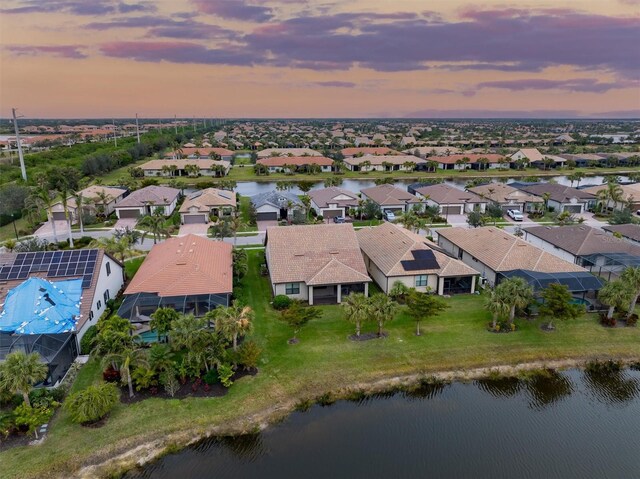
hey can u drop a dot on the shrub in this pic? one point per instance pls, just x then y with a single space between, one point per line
281 302
32 417
211 377
111 375
93 403
632 320
49 398
144 378
225 371
170 382
86 343
248 354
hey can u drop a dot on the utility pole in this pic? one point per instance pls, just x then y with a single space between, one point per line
194 124
175 123
137 129
115 137
23 168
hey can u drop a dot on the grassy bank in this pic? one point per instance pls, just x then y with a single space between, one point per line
324 360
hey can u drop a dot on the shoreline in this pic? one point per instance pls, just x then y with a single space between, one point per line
119 463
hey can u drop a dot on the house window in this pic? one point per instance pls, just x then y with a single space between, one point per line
99 305
106 295
90 315
292 288
421 280
108 268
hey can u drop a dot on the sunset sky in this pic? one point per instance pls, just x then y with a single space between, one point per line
296 58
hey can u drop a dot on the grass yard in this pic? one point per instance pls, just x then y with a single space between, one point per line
131 267
324 360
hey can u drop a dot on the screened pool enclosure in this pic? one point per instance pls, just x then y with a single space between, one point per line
139 306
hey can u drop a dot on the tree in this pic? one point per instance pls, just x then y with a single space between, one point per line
161 320
515 292
222 229
248 355
119 247
305 186
475 219
32 417
44 199
125 361
160 357
424 306
93 403
614 294
233 321
80 204
631 277
557 304
494 211
186 330
356 309
297 316
496 306
365 166
240 263
20 371
155 226
382 309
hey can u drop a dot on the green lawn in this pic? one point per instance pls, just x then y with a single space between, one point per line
8 232
324 360
131 267
245 206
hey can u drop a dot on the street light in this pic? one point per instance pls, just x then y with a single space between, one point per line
13 220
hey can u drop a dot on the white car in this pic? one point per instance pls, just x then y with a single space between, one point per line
389 216
515 215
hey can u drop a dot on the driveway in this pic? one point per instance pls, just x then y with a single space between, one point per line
199 229
263 225
46 230
457 220
124 222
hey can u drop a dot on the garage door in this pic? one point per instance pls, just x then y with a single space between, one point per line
573 208
128 213
331 213
451 210
267 216
59 216
195 219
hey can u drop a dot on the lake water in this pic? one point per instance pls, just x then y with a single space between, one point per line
571 425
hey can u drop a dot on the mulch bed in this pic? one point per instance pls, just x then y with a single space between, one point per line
185 391
15 440
547 328
368 336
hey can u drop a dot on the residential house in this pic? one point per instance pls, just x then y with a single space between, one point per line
277 164
384 163
428 151
318 264
190 274
474 161
198 207
497 255
186 167
368 151
390 198
277 205
269 152
333 201
97 199
507 196
585 246
148 200
448 199
629 198
628 232
585 159
561 198
203 152
392 253
534 158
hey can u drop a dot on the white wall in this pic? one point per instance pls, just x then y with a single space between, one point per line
304 291
549 248
467 259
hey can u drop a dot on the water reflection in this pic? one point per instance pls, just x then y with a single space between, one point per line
247 447
611 387
426 390
548 388
502 387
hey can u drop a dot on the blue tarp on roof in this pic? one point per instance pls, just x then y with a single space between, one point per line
38 306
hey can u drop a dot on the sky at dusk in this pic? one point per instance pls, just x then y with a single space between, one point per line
297 58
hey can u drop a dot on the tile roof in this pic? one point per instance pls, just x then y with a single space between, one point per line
278 199
559 193
324 196
502 193
582 240
295 160
387 245
205 199
629 192
630 231
442 193
315 254
501 251
156 195
204 151
203 164
288 151
186 265
90 194
389 195
451 159
379 150
379 159
532 154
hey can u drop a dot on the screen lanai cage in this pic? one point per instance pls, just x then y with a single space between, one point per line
609 265
139 307
577 282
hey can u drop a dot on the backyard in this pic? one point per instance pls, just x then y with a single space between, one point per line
324 360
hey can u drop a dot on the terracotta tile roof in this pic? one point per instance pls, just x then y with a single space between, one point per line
451 159
203 164
504 194
434 150
582 240
208 198
532 154
185 266
90 194
380 150
157 195
501 251
442 193
388 195
629 192
324 196
379 159
288 151
388 245
204 151
295 160
315 254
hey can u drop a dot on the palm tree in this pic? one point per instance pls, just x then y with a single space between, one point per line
186 330
161 320
516 293
80 210
104 201
118 247
631 277
65 207
615 193
125 361
155 225
614 294
356 310
20 371
409 166
43 198
496 306
233 321
546 197
365 165
382 309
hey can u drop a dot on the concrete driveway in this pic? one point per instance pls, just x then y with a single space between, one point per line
199 229
46 231
124 222
457 220
263 225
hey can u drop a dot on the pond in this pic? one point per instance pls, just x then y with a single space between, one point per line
566 425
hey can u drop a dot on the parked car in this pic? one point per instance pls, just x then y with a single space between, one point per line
515 215
338 219
389 216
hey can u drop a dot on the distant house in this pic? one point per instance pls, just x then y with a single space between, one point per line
449 200
473 161
384 163
585 159
195 167
204 152
428 151
96 199
630 232
199 206
561 198
392 254
276 205
190 274
148 200
269 152
367 151
333 201
585 246
390 198
497 255
319 264
281 163
536 159
507 196
630 197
